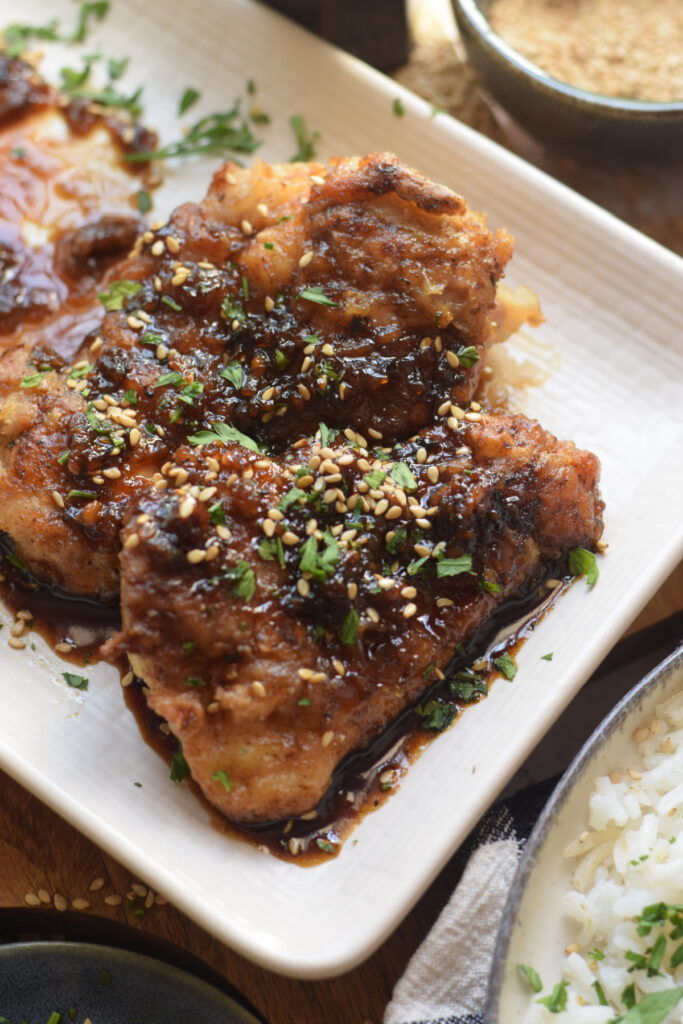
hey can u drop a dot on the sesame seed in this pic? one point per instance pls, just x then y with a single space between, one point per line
113 473
258 688
172 244
318 677
161 352
306 674
433 474
58 499
457 412
421 455
352 591
60 901
206 493
304 392
268 394
377 434
553 584
656 727
134 323
127 679
268 527
409 610
473 417
213 707
276 515
373 614
640 735
425 343
339 667
223 532
246 226
342 390
443 602
134 437
18 628
381 507
318 179
289 538
132 540
63 647
453 360
452 423
113 900
615 777
327 738
186 508
180 277
96 345
475 407
306 259
309 350
634 774
423 523
100 404
443 408
602 546
409 592
157 248
437 344
422 550
195 556
80 904
262 209
44 896
97 883
303 587
31 899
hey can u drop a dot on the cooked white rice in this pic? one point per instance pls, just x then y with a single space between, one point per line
629 857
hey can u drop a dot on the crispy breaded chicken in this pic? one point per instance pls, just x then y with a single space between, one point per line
282 611
67 207
291 295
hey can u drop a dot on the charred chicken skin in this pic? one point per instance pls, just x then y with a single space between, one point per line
272 306
283 611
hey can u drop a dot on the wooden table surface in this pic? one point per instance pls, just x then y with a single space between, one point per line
46 862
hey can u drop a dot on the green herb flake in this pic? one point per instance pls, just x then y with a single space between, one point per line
171 303
584 563
143 201
221 776
530 976
16 37
305 702
403 476
454 566
96 9
325 845
194 681
89 495
395 543
506 665
213 135
654 1007
281 360
179 766
600 992
398 108
18 153
115 297
349 628
327 435
374 479
467 356
245 581
557 1000
224 433
234 373
32 380
547 657
64 457
173 377
187 100
294 494
189 647
436 714
54 1018
268 245
316 294
116 68
76 682
305 140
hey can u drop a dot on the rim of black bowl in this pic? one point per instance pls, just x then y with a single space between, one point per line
608 725
488 37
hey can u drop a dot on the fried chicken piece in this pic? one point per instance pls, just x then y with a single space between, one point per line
190 339
282 611
67 207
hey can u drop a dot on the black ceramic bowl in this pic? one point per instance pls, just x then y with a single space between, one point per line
557 113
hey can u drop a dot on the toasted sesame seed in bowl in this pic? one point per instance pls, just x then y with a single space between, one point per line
595 77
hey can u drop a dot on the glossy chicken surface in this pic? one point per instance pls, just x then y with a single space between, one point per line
292 295
282 611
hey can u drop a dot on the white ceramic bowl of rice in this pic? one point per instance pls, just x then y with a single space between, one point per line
595 913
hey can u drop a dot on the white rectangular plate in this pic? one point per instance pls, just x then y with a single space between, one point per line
614 306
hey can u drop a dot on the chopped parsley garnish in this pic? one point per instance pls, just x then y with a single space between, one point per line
231 310
90 495
596 954
349 627
190 392
600 992
244 580
490 586
194 681
374 479
271 548
398 108
179 766
418 567
436 714
547 657
171 303
293 494
557 1000
305 140
224 433
320 564
151 338
403 476
16 37
189 647
116 68
81 372
454 566
281 360
64 457
316 294
18 152
173 377
187 100
90 9
325 844
221 776
216 513
468 356
329 371
531 976
584 563
32 380
305 702
212 135
467 687
327 435
506 665
143 201
268 245
117 294
395 543
234 373
653 1008
77 682
99 426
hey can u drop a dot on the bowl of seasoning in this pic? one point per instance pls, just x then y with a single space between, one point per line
596 76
